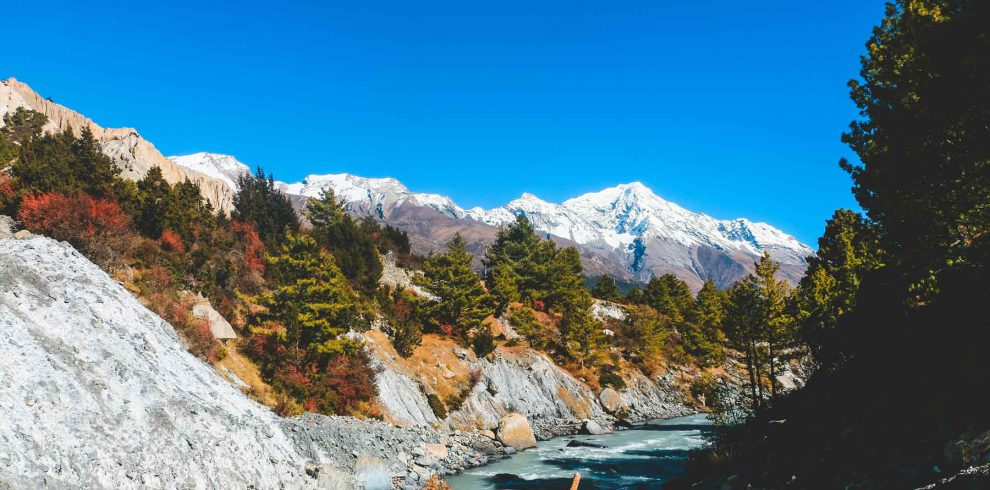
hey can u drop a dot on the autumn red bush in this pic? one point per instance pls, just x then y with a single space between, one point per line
340 388
254 249
171 241
97 226
6 185
71 217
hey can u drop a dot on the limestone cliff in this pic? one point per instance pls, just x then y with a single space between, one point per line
133 154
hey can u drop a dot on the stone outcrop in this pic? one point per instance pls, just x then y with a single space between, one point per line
219 326
514 431
522 380
645 398
6 227
133 154
612 401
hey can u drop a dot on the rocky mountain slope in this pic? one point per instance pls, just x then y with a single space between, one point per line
627 230
98 392
132 153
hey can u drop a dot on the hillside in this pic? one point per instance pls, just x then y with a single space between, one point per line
98 392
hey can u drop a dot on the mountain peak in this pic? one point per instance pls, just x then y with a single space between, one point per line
217 165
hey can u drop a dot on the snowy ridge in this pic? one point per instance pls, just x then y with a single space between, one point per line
620 215
627 225
360 193
223 167
375 193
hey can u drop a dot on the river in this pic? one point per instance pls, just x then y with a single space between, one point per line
643 457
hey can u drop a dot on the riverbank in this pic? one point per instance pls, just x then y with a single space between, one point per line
643 456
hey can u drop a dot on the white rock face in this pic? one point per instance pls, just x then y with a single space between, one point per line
529 383
401 396
97 392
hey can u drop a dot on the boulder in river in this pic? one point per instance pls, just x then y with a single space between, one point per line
593 428
514 431
576 443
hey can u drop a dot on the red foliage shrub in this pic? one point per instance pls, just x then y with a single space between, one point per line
172 242
6 186
447 330
539 305
75 217
98 227
254 249
7 192
158 278
194 332
339 388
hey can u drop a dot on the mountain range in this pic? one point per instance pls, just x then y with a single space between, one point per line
627 231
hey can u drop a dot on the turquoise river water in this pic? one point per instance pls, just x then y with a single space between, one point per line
643 457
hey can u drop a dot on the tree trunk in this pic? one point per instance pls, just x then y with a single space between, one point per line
773 372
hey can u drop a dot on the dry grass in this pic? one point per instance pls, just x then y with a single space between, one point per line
434 364
578 407
243 368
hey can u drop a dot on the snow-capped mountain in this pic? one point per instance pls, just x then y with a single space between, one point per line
620 216
627 230
373 195
223 167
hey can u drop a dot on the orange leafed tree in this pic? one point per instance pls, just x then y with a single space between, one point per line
98 226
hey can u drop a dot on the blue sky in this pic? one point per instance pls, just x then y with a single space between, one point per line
726 107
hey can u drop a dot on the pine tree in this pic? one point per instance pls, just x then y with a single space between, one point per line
670 296
405 321
502 281
646 331
154 201
311 302
95 171
581 333
744 328
260 203
849 249
23 124
565 287
351 244
524 322
528 257
778 324
704 337
923 133
462 303
606 288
